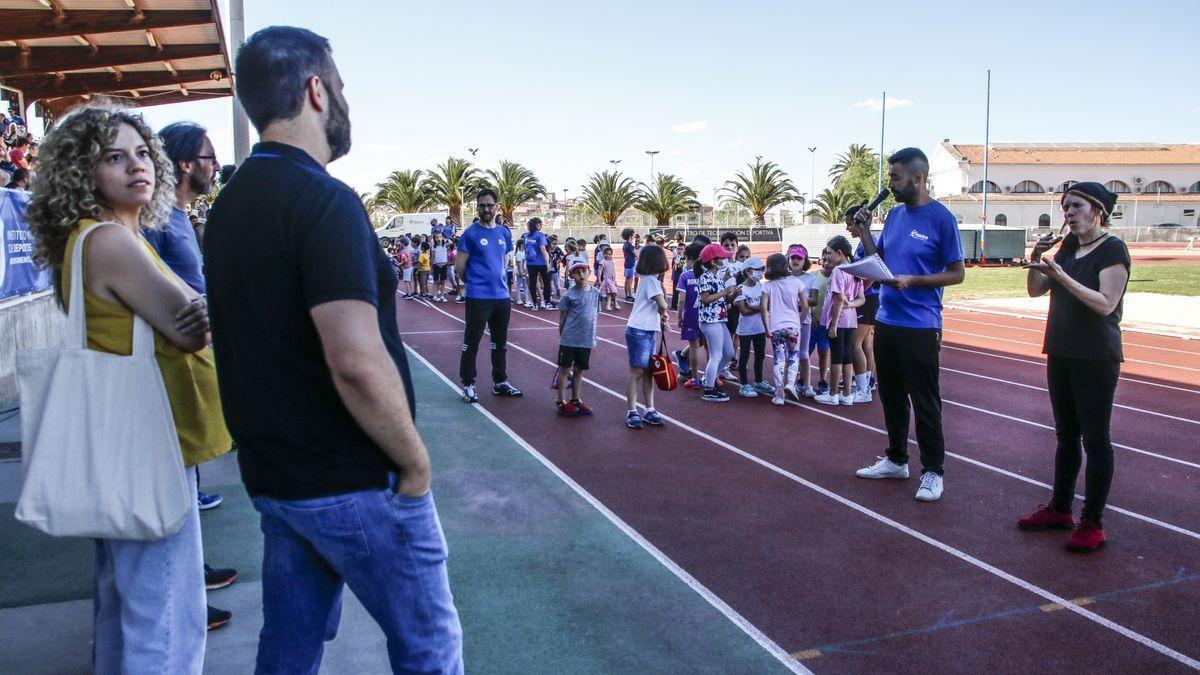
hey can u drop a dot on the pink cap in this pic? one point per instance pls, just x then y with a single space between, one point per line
577 265
712 252
797 251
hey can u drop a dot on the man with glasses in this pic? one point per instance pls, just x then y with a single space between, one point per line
481 261
195 162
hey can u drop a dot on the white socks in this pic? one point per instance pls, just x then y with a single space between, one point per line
863 381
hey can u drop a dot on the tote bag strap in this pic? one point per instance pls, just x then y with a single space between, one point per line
662 342
76 338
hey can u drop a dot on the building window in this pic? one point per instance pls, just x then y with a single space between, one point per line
1195 188
1027 187
1159 187
1065 184
1117 187
1044 221
1001 220
978 187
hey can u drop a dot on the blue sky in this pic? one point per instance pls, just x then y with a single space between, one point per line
565 87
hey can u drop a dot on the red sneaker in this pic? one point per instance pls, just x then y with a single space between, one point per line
567 410
694 385
1086 538
1046 518
581 408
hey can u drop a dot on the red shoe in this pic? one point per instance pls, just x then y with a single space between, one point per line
1046 518
694 385
581 408
567 410
1086 538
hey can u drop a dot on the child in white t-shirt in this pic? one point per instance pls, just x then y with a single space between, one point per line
752 333
647 317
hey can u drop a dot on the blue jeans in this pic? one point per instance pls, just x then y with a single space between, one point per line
389 549
148 603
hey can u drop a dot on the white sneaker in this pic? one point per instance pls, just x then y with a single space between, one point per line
468 394
861 396
810 392
931 487
845 400
886 468
827 399
529 305
778 400
790 390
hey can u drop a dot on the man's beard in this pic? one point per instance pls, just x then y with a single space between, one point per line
337 128
198 185
906 195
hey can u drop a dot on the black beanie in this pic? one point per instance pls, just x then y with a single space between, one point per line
1094 193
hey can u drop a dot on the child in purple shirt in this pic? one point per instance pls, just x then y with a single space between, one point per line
689 319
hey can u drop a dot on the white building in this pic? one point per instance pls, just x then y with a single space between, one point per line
1156 183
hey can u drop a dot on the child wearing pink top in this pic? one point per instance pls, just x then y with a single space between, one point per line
784 307
839 317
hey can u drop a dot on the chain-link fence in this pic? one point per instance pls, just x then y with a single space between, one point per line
1138 235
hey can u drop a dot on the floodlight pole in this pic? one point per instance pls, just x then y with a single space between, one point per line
812 180
882 127
987 125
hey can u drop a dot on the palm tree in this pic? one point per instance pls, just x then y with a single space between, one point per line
609 194
450 183
831 205
404 192
514 185
856 153
766 187
668 198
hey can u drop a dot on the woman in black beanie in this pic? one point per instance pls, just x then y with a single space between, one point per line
1086 280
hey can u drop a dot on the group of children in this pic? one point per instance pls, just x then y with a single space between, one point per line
421 260
734 307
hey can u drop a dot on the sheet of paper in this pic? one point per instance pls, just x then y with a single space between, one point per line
868 267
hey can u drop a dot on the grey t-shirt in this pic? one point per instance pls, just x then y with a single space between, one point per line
581 309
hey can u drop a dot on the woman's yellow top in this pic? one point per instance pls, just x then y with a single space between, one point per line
190 379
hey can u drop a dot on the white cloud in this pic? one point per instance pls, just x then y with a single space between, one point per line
689 127
875 105
732 144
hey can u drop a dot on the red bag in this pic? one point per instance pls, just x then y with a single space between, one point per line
665 375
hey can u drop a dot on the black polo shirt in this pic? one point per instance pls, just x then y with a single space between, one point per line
283 237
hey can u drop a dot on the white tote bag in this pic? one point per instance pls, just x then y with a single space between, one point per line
100 449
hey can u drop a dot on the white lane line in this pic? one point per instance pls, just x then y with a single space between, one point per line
1030 386
1041 331
947 548
1032 344
720 605
1043 363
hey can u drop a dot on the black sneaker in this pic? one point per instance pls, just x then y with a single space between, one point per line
460 300
714 394
629 299
822 387
218 578
505 389
218 617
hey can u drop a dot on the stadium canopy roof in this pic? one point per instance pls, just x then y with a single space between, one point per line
142 52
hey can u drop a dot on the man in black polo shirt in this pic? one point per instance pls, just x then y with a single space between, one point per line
314 380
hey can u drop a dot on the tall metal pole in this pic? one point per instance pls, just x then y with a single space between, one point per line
652 153
987 126
241 123
812 179
882 127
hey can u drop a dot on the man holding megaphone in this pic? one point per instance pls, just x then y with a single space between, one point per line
920 246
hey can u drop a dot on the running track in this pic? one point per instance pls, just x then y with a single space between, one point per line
761 506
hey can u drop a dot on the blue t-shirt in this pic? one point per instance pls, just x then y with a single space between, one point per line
486 248
630 255
435 229
176 244
533 250
921 240
858 253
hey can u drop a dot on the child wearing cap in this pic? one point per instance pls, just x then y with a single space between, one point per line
577 312
714 312
751 330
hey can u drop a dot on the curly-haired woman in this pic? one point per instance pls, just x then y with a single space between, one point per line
105 165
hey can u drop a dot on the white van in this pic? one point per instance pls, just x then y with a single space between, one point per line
410 223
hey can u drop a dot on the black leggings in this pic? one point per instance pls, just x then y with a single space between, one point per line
1081 396
494 315
536 271
759 342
